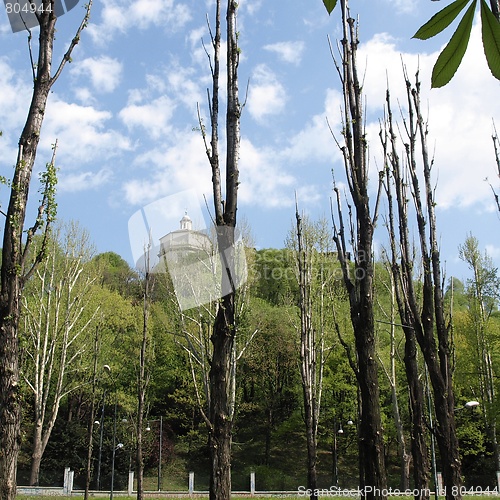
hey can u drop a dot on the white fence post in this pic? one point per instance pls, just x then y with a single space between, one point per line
130 483
66 489
252 483
439 486
71 476
191 483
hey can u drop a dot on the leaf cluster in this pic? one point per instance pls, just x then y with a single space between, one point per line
451 56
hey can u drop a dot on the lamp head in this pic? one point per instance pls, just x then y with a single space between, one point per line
471 404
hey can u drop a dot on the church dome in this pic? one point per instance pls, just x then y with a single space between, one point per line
186 222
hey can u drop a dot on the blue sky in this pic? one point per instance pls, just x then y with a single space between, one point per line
124 111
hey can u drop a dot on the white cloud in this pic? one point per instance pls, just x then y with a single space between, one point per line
82 181
153 117
264 181
267 96
104 72
459 115
83 133
122 15
290 52
184 87
493 251
15 95
171 168
402 6
85 95
251 6
314 143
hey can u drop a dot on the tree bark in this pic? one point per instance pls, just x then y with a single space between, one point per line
220 436
12 271
222 369
402 272
142 377
432 319
14 251
424 322
360 287
308 364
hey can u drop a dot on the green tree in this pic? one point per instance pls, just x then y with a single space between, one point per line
482 293
55 326
268 382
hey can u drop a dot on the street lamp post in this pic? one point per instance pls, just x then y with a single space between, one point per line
101 431
159 453
160 445
115 446
337 429
114 453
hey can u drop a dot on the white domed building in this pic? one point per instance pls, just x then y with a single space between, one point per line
185 241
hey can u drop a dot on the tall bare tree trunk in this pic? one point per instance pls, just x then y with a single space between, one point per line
143 376
308 362
360 287
92 411
401 252
13 273
432 317
221 375
426 319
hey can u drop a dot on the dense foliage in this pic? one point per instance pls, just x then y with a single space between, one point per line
269 434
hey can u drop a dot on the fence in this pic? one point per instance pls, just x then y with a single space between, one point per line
67 489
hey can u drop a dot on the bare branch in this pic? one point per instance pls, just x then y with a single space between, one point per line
76 39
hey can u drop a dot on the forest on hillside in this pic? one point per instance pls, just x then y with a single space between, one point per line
83 311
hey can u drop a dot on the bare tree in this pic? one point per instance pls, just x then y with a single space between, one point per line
312 350
92 413
359 239
402 258
220 423
143 375
311 247
55 318
424 312
195 278
13 273
496 147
